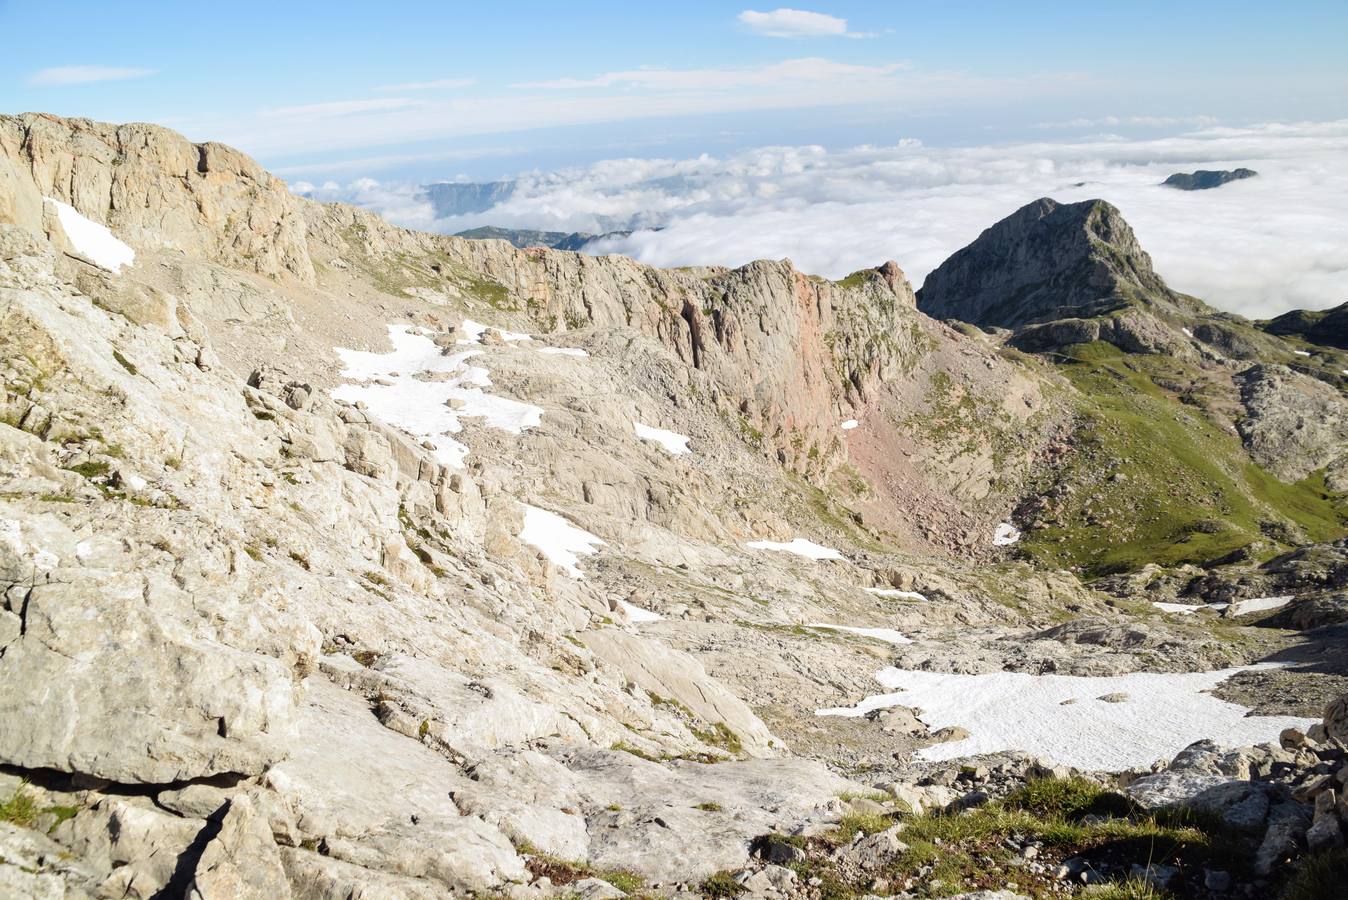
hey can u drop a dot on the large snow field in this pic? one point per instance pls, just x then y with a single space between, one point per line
1062 718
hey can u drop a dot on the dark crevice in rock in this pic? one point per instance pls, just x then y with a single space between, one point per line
57 780
186 866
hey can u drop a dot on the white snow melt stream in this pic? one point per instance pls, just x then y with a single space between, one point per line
800 547
636 615
880 634
1062 719
560 541
419 405
1005 534
92 240
895 592
672 441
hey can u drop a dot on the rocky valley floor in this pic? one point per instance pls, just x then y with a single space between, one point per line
342 561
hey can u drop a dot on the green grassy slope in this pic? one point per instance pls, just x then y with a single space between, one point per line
1156 478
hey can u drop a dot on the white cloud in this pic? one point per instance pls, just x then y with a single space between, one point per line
1135 121
842 89
398 203
437 85
796 23
814 69
391 160
64 75
338 108
1256 247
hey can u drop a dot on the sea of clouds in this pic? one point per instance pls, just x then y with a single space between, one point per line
1256 247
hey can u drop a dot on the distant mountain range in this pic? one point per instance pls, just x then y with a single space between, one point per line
528 237
452 198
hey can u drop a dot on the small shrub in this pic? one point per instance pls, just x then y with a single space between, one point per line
1068 798
853 824
91 469
720 736
20 809
624 747
709 806
722 884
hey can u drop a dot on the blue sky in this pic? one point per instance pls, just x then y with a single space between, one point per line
441 89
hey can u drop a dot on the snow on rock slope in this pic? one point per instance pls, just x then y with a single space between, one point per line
797 546
558 540
888 635
673 442
92 240
418 388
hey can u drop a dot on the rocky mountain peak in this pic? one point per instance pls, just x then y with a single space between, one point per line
1046 261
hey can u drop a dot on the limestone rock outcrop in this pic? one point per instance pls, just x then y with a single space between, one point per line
155 189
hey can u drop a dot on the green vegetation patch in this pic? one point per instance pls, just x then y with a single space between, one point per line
951 853
21 809
564 871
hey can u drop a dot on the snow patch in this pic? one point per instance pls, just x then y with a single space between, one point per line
672 441
849 424
1005 534
799 546
1187 332
1182 608
1302 352
1162 714
1259 604
92 240
413 387
475 330
881 634
560 541
895 592
636 615
562 351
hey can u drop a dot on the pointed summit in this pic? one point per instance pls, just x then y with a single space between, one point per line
1044 262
